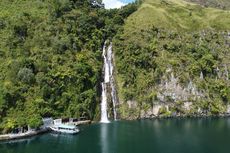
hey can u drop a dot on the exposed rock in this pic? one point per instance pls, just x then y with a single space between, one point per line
146 114
170 89
226 72
132 104
155 109
199 110
201 75
175 99
187 105
218 72
228 109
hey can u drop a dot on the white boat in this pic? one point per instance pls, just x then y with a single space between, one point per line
65 128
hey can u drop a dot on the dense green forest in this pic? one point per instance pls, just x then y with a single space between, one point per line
173 53
50 55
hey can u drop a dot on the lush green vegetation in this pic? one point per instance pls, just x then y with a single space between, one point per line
223 4
50 55
176 15
180 36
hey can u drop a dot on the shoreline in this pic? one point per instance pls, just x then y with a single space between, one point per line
10 136
180 116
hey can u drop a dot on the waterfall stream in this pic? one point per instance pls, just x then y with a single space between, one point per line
109 81
112 80
104 117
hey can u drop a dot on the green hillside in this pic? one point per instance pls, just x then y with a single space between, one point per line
222 4
175 15
167 49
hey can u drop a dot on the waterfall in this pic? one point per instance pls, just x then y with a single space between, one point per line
104 118
112 80
106 65
108 79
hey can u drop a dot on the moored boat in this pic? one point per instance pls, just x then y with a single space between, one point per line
65 128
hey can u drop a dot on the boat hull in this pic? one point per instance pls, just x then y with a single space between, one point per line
64 131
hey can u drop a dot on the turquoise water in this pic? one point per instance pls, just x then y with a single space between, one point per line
144 136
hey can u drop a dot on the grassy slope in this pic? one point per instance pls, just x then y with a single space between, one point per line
175 15
223 4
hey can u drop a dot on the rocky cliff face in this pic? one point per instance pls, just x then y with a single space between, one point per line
174 100
171 89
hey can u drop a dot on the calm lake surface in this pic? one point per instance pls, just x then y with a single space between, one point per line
144 136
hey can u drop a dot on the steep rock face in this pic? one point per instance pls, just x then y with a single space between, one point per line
171 88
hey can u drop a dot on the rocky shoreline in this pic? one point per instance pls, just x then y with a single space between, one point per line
187 116
131 110
226 115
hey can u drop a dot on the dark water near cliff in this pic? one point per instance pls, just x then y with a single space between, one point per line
145 136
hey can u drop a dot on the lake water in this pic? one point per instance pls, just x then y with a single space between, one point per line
144 136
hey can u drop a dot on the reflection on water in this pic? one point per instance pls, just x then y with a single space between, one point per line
22 141
64 138
104 138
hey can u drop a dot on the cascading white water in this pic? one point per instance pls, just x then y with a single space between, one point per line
104 118
112 80
106 65
108 79
114 99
